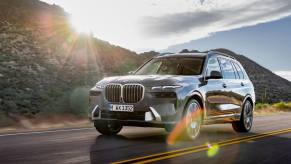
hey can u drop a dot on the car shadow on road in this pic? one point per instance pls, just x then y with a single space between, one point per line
110 148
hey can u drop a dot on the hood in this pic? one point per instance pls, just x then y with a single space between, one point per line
152 80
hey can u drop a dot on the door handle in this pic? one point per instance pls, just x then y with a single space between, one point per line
242 84
224 85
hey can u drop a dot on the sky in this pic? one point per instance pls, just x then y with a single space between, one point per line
141 25
269 44
157 24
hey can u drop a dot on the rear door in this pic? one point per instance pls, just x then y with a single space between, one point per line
241 82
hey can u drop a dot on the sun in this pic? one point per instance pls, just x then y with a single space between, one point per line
80 24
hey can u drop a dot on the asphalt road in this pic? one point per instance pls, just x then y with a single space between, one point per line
269 142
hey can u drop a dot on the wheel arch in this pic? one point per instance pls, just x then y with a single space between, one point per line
197 96
249 98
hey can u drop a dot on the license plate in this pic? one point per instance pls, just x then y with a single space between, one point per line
123 108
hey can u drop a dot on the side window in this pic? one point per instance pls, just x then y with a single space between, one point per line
227 69
235 70
239 70
212 65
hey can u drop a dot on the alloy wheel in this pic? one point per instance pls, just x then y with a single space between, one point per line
248 115
193 119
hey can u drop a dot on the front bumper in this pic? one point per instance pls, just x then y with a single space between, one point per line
155 109
149 118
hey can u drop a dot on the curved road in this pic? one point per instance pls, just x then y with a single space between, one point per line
269 142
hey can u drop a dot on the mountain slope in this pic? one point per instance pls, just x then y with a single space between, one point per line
269 87
46 67
43 61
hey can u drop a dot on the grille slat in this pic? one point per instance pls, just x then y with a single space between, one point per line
131 93
112 93
115 93
134 95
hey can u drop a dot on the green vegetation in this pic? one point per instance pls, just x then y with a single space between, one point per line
280 106
260 106
5 120
50 69
79 101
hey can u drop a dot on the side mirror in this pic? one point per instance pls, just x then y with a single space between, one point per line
214 75
131 72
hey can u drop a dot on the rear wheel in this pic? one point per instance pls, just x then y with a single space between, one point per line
108 128
193 119
246 120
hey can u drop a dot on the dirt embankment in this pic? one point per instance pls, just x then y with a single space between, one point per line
43 122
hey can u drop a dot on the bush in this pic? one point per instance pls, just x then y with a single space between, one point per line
5 120
79 101
282 105
128 65
262 106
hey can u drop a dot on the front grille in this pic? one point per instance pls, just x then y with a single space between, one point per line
113 92
132 93
137 115
128 93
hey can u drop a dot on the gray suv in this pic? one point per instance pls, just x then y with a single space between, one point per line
189 89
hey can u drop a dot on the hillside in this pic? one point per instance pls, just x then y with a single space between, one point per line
269 87
45 65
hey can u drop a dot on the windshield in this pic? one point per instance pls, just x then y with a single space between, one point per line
172 66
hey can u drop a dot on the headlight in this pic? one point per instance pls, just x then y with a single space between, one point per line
166 87
99 86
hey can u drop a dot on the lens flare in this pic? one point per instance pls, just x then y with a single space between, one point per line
81 24
212 150
180 128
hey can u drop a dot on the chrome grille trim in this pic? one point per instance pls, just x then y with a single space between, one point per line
128 93
113 92
133 93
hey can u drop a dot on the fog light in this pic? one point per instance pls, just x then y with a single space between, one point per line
95 112
149 116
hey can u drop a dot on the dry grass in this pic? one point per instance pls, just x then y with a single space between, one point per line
45 122
281 107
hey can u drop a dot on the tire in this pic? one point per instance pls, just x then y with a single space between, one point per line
108 128
192 124
246 120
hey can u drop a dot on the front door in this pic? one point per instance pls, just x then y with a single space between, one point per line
215 91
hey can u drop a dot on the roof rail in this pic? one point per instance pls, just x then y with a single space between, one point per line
221 53
165 53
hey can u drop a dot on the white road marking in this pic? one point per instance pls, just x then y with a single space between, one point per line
43 132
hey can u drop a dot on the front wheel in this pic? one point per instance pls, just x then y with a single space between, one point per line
193 119
246 120
108 128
